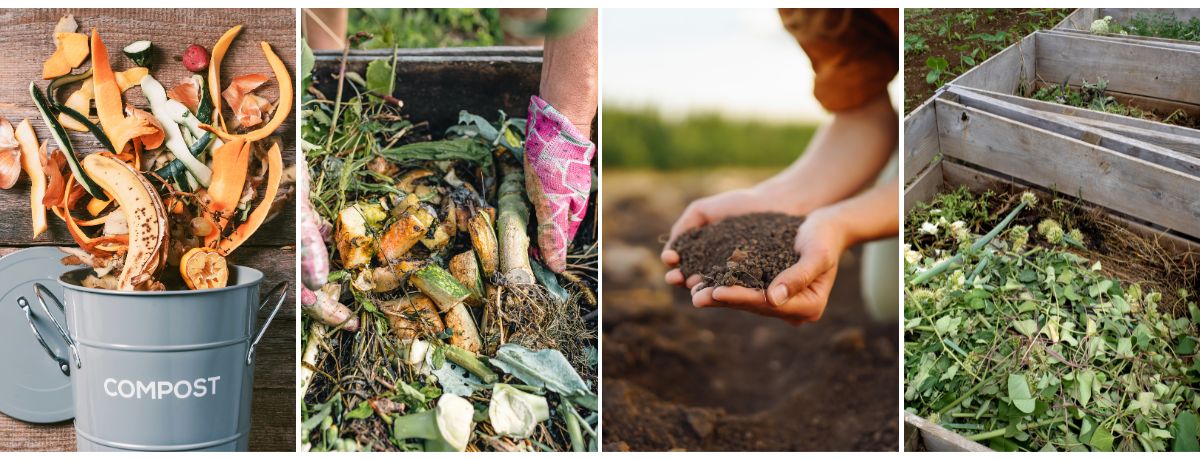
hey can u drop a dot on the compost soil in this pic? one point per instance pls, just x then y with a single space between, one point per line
680 378
747 250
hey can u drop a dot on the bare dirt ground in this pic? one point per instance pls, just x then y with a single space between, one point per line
679 378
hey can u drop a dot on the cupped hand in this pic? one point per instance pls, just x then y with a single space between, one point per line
706 211
797 295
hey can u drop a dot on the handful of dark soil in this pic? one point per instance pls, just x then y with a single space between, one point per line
748 250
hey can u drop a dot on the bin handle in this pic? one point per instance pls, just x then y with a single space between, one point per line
281 290
38 290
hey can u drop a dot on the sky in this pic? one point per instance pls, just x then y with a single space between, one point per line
740 63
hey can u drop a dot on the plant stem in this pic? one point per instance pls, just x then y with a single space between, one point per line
471 363
964 396
958 258
512 222
1024 426
577 443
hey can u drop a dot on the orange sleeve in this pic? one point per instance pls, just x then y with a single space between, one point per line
855 62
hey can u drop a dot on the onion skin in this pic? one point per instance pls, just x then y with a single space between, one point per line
314 257
325 308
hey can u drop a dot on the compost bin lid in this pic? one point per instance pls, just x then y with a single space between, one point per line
32 387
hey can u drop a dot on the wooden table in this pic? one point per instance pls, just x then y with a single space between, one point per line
27 34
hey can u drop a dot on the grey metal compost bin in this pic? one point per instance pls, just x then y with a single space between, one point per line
160 370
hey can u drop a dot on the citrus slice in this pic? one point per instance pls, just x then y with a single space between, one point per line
204 268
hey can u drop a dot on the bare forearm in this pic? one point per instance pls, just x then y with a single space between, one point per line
868 216
569 74
325 28
844 157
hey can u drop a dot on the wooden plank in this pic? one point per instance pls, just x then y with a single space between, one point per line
937 438
956 174
501 79
920 140
1166 43
1107 118
1006 72
1129 68
1125 14
1158 155
1186 145
924 188
27 32
1080 19
1111 179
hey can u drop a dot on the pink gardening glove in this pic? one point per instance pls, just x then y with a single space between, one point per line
558 179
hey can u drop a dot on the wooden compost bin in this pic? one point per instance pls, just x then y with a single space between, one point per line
435 84
271 249
1151 74
948 144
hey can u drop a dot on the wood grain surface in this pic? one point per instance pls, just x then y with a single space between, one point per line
1108 178
27 33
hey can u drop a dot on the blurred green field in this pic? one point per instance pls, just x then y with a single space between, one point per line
643 139
426 27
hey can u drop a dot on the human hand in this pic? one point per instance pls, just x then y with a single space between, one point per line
797 295
706 211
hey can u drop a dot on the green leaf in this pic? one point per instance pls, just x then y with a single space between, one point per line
1018 392
452 149
380 77
1102 439
362 411
307 62
1124 347
1085 380
549 281
1185 431
546 368
1100 288
1186 346
1121 304
1071 294
1026 326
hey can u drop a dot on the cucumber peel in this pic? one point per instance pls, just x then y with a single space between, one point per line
64 142
139 52
55 84
174 137
92 127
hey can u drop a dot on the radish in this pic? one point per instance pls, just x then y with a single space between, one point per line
195 58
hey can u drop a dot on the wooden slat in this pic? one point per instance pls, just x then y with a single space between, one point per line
1111 179
501 79
1079 19
1186 145
924 187
27 33
1082 18
920 140
937 438
1125 14
1005 72
1107 118
1158 155
1129 68
1167 43
956 175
